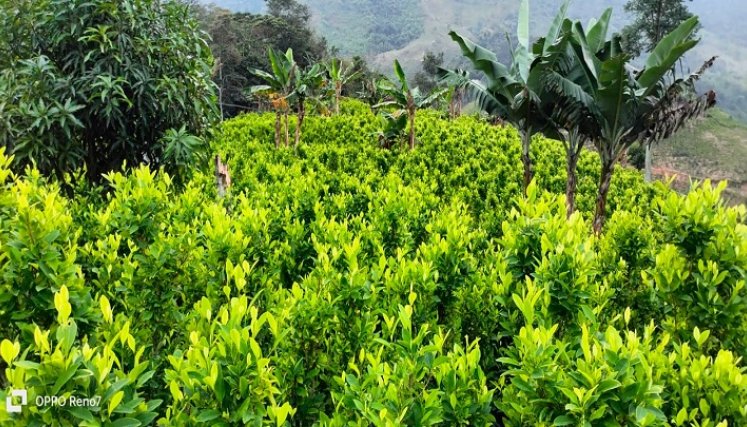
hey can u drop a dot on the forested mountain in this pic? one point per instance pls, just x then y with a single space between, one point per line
383 30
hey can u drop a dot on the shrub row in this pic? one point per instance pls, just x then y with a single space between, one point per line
341 284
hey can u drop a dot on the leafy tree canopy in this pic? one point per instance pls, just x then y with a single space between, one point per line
105 90
240 41
653 19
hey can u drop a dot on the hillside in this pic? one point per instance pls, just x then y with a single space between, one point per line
714 147
337 277
350 259
407 29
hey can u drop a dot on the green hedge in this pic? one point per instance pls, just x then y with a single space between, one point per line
342 284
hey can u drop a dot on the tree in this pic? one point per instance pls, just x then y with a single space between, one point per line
653 20
513 92
240 41
230 38
457 81
306 84
407 100
340 74
623 105
560 69
278 87
427 78
287 25
103 91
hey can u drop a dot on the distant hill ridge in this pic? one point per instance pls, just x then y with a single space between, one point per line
382 30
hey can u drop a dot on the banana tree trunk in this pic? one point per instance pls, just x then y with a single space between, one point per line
412 129
604 187
649 164
277 129
571 183
526 160
301 116
287 129
338 95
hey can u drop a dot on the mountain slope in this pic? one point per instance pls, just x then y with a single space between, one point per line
714 147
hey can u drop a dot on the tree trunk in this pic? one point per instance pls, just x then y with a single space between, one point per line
412 129
277 129
301 116
570 185
604 187
287 130
648 174
338 95
460 101
526 160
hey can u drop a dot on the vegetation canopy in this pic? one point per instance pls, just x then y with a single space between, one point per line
334 274
104 91
468 278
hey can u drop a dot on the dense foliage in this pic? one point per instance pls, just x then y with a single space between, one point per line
341 284
239 42
105 90
653 20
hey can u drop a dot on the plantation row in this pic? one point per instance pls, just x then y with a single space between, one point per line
339 284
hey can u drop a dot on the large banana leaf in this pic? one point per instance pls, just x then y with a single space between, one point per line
616 100
401 75
667 52
498 75
522 31
475 88
597 34
556 27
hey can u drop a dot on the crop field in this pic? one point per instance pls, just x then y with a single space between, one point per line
339 284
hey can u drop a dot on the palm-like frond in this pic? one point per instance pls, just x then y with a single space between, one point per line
667 52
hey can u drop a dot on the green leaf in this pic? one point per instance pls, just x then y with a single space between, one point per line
563 420
115 401
81 413
667 52
126 422
608 385
65 376
9 350
522 32
207 415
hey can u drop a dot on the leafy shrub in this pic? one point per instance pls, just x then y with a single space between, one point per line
109 368
38 253
285 302
701 389
408 380
224 378
106 90
701 272
601 378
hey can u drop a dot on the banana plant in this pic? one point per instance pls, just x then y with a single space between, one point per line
513 92
568 100
407 100
306 85
613 105
339 75
457 81
279 87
